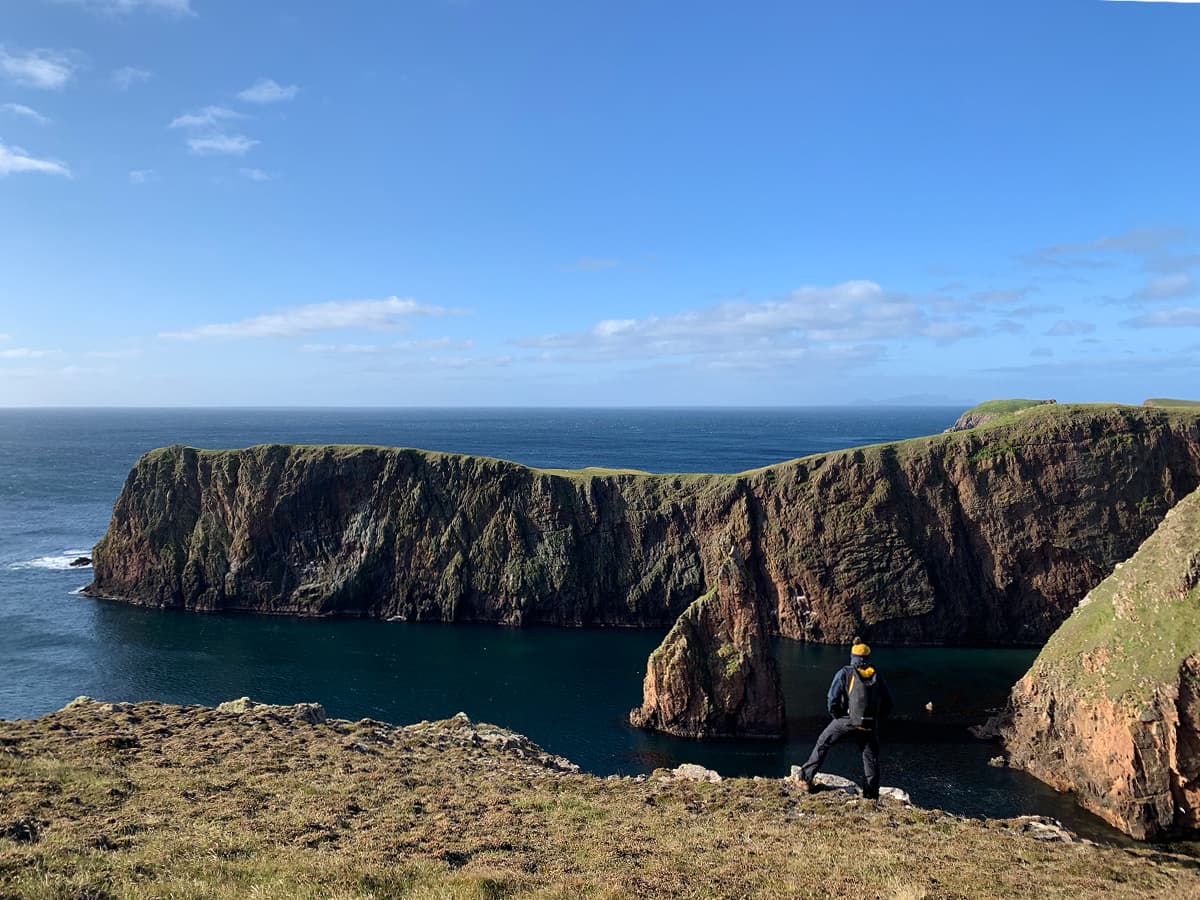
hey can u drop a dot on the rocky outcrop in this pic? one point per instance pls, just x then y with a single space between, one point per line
985 536
713 675
1111 707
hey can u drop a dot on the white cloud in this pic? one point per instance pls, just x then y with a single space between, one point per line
15 160
126 7
127 76
205 135
256 174
143 176
267 90
46 69
827 324
373 315
1180 317
25 112
208 117
5 337
222 144
24 353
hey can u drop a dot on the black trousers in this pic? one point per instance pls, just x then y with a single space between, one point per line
868 743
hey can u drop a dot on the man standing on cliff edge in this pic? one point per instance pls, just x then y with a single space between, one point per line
858 700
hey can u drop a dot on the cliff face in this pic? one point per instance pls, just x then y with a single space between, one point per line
988 535
1111 707
713 675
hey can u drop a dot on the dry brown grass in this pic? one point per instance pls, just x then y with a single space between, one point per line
148 800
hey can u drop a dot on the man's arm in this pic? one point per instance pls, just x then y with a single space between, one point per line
835 701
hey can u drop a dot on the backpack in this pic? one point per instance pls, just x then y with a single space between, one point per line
862 698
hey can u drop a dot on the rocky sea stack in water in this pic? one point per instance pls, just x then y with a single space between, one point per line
1111 707
713 675
988 536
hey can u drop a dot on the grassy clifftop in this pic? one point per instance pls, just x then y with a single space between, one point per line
147 800
1127 637
989 535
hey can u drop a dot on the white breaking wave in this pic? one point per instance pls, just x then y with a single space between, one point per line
62 561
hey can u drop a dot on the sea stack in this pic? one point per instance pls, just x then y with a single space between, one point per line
713 675
1111 707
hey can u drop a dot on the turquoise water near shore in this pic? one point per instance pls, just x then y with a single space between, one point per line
569 690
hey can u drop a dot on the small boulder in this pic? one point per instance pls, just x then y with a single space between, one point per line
81 562
693 772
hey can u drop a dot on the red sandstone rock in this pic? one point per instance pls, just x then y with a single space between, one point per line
1111 707
713 675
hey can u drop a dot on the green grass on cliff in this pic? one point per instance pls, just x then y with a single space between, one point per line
1015 422
1165 401
147 800
1130 634
1001 407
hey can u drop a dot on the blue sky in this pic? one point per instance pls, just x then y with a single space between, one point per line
475 202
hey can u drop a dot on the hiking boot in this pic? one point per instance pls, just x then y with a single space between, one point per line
807 786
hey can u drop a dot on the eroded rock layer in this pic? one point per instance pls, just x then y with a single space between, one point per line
990 535
1111 707
713 675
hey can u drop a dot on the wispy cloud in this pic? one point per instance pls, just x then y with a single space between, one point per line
844 323
206 136
25 112
208 117
1082 254
591 264
443 343
1002 297
143 176
113 354
126 7
222 144
14 160
267 90
127 76
256 174
1070 328
371 315
1179 317
25 353
46 69
1166 287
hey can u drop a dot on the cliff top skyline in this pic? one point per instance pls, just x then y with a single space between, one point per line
454 202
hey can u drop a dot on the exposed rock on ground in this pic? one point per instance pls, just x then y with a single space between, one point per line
142 800
1111 707
984 536
714 675
824 781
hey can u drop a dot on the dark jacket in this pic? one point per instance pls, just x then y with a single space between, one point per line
838 700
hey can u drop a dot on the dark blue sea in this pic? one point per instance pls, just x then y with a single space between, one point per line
60 471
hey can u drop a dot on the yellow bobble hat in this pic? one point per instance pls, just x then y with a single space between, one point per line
860 650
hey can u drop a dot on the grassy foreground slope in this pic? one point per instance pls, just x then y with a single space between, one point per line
148 800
